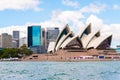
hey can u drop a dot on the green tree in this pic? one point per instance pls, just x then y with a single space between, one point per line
15 52
25 50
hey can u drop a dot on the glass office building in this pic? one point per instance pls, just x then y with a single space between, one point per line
35 42
16 38
43 37
52 34
16 34
34 36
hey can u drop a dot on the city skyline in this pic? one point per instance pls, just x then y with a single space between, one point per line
103 15
38 39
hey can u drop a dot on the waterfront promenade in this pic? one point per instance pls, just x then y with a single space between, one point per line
65 56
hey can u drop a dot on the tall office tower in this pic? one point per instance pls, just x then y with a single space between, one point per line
52 34
34 39
43 38
34 36
22 41
16 39
6 40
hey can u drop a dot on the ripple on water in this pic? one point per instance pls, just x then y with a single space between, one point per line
59 71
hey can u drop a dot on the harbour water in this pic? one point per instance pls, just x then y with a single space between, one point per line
107 70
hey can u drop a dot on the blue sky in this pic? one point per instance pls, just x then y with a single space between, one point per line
103 14
11 16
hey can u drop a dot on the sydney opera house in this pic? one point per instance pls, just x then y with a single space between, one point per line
84 40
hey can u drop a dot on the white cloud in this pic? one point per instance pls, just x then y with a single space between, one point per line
77 24
58 19
97 23
10 29
70 3
116 7
93 8
113 29
61 18
20 4
76 20
66 16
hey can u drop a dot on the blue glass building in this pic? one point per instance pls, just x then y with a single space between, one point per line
34 39
34 36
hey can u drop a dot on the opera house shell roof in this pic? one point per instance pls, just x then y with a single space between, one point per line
85 39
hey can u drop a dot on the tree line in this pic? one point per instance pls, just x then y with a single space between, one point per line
15 52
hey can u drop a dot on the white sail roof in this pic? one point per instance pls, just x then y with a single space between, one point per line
68 40
64 32
86 40
84 30
63 39
97 41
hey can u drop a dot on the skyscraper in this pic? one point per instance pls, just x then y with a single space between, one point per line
43 36
34 39
16 37
6 40
34 36
52 34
